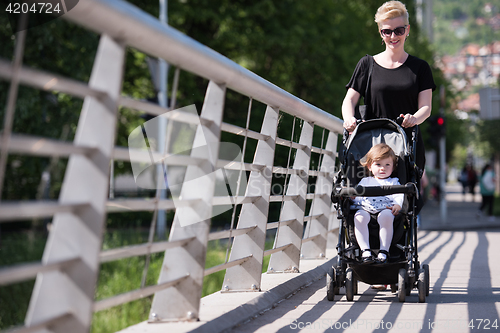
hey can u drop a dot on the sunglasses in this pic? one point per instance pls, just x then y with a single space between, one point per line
399 31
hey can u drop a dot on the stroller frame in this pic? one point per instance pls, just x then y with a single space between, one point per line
403 273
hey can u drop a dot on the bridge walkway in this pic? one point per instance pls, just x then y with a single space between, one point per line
464 294
465 286
464 290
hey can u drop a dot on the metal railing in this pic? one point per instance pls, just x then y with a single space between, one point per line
63 296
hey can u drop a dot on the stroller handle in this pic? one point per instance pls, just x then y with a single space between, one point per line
374 191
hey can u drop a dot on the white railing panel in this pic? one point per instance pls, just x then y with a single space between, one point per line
321 205
79 233
248 275
192 221
288 259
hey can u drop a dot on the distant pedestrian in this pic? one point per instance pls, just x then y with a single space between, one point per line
487 188
464 180
472 182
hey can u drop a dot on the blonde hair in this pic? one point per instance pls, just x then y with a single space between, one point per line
377 153
391 10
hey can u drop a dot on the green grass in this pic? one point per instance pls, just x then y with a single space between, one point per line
496 206
125 275
115 278
14 298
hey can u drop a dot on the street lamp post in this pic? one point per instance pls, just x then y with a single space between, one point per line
442 162
161 223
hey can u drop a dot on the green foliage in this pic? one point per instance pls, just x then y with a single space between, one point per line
458 23
122 276
458 133
488 133
496 206
308 48
57 47
16 248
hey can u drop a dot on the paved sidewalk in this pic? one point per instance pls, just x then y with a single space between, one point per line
461 212
464 295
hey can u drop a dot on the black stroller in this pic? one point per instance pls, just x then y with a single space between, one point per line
402 270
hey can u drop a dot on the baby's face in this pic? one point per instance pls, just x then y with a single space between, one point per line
382 168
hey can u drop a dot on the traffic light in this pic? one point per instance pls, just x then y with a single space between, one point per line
441 125
437 126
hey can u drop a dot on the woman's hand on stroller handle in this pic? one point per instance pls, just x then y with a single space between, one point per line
407 120
350 124
404 120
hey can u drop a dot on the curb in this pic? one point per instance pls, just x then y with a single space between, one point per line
463 228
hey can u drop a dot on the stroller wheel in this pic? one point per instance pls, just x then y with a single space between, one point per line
421 285
402 284
427 278
410 282
332 288
349 284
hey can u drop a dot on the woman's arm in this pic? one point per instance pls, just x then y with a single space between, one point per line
350 100
424 109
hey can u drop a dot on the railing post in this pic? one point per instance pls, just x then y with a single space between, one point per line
288 259
182 301
79 234
247 276
316 248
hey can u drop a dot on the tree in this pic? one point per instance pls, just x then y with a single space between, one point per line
488 133
308 48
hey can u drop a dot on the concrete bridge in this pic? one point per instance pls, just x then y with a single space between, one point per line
217 178
464 291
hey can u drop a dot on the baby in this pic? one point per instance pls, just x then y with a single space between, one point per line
380 161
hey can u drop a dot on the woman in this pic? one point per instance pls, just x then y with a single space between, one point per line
400 84
487 186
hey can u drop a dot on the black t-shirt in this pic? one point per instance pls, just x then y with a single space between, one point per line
394 91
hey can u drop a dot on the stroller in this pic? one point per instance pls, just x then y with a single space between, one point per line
402 270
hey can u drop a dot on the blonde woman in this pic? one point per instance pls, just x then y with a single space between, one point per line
400 84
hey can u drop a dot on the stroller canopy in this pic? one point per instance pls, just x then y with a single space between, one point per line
366 135
375 131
